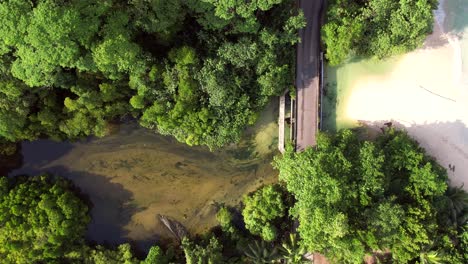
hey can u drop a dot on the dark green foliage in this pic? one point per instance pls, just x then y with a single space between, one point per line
155 256
225 218
292 251
16 99
100 255
7 148
262 210
164 18
376 28
200 254
179 112
463 243
355 197
432 257
261 253
10 157
55 36
454 207
41 220
197 70
453 221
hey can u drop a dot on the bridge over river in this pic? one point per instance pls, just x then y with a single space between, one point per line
305 110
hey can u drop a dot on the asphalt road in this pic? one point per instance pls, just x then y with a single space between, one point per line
307 75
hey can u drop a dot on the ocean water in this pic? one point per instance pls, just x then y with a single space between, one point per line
456 26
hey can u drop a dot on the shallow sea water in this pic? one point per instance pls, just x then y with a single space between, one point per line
424 92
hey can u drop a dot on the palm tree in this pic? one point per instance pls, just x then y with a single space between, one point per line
457 205
431 257
292 251
261 253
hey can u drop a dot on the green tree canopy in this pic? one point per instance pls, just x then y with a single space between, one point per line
356 196
261 211
211 253
100 255
376 28
41 220
197 70
156 256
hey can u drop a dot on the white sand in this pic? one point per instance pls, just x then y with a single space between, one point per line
427 93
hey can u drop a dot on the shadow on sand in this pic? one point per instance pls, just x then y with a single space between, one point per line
457 22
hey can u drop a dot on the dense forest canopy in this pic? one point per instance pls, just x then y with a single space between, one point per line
357 197
197 70
200 70
41 220
348 198
375 28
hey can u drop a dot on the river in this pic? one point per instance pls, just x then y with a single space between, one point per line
424 92
135 174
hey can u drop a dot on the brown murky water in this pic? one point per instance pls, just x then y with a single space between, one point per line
135 174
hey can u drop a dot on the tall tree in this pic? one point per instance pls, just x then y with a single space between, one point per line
209 254
376 28
262 210
355 196
41 219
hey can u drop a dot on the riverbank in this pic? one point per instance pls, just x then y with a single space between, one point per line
425 92
134 175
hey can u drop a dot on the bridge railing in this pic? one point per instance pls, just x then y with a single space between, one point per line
321 84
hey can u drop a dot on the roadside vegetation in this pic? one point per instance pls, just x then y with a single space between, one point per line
201 71
375 28
356 197
346 199
197 70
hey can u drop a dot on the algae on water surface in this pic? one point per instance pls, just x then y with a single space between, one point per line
134 175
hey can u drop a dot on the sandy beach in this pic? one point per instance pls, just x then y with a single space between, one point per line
425 92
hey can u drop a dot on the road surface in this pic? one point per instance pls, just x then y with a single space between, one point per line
307 75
